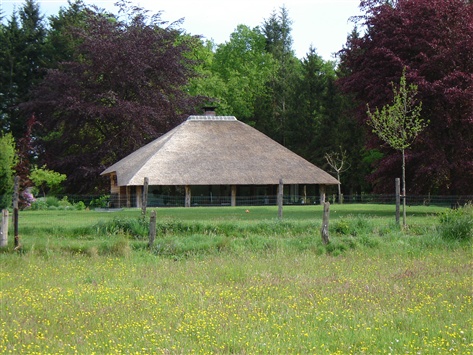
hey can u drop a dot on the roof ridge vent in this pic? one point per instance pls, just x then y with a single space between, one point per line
211 118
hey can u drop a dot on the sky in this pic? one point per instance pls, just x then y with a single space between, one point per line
324 24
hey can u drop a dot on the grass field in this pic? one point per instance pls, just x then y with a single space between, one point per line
227 281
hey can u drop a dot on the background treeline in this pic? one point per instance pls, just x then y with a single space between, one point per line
85 87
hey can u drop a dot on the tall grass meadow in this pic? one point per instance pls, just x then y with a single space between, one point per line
222 280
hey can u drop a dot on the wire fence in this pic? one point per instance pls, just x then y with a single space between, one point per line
426 200
106 201
449 201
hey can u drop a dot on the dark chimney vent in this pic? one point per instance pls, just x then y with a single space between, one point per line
209 110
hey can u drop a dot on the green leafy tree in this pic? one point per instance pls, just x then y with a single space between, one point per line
306 109
245 67
207 82
273 108
10 39
233 74
339 129
7 164
399 124
48 181
21 64
320 121
61 42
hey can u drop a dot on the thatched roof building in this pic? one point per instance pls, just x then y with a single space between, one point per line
212 150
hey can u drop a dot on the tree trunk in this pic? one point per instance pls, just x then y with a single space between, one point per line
16 196
398 199
339 189
404 188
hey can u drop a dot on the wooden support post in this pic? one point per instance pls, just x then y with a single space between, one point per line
322 194
234 193
398 200
4 229
280 198
324 229
145 196
127 196
188 196
16 195
121 196
152 228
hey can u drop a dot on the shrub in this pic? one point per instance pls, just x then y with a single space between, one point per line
457 224
100 202
64 203
27 198
48 181
8 160
80 206
39 204
52 201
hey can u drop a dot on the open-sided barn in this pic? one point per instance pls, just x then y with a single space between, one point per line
214 159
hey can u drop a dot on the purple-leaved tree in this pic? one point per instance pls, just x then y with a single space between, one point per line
125 86
433 40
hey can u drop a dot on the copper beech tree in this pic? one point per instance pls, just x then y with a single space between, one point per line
433 40
125 85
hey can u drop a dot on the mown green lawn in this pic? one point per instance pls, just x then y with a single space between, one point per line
223 280
47 218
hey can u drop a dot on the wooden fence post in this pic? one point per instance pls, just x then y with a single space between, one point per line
398 199
280 198
15 212
152 229
324 230
145 196
4 229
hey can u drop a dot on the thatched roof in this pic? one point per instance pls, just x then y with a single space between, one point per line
216 150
